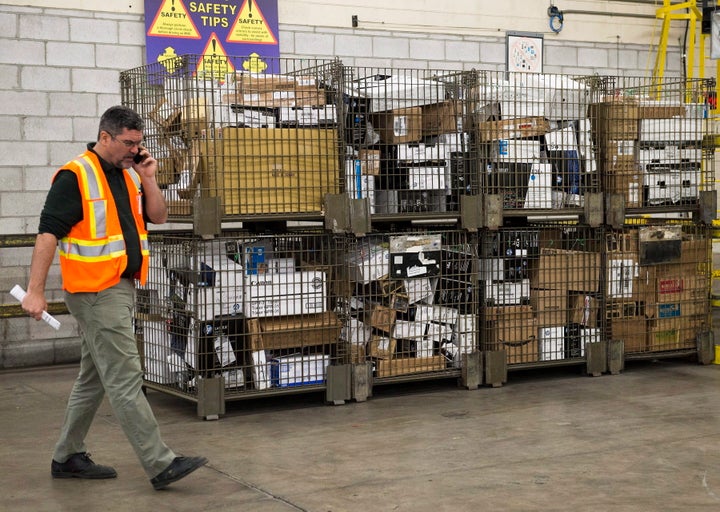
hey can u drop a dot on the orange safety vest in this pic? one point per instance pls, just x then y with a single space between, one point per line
92 255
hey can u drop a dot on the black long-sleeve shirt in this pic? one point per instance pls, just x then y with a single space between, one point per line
63 209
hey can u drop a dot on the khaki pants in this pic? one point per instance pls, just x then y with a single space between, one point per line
110 364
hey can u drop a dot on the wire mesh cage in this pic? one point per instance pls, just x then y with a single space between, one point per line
658 281
412 307
534 139
408 144
542 293
260 311
265 144
653 140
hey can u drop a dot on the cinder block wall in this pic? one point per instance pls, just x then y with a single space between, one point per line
59 71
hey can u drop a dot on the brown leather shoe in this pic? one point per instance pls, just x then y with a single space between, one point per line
80 465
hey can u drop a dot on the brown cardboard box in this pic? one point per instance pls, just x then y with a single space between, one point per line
275 333
612 120
656 111
444 117
300 96
381 317
277 170
180 208
550 307
382 347
248 83
629 184
560 269
399 125
369 161
407 365
513 128
633 331
513 329
664 334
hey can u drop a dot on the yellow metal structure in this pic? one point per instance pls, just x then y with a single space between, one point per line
689 12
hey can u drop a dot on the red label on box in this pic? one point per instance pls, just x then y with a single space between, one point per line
674 285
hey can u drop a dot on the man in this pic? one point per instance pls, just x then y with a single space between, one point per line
96 213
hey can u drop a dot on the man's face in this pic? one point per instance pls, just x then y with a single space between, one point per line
120 149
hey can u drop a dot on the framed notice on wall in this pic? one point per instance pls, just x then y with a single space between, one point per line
524 52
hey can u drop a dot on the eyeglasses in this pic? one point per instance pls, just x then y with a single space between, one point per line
127 143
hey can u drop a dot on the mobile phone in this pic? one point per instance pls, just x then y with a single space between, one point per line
138 157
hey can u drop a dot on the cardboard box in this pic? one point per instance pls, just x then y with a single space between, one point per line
550 307
552 343
633 331
301 96
298 293
613 120
298 370
369 161
368 261
664 334
323 115
628 184
355 332
584 310
427 178
680 129
399 125
466 333
299 331
444 117
382 347
516 128
409 365
277 170
513 329
507 292
515 150
246 82
414 256
559 269
539 187
380 317
387 92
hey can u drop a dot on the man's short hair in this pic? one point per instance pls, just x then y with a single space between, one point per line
115 119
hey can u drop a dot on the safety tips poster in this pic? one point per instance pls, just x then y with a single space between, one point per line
226 35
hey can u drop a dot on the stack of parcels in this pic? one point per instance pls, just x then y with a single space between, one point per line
263 143
534 136
412 306
657 288
556 312
275 310
650 152
407 151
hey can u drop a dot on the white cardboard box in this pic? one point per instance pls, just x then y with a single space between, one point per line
368 262
297 293
426 178
515 150
539 189
355 332
507 293
388 92
298 370
552 343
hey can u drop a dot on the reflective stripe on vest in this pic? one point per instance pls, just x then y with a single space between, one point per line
92 191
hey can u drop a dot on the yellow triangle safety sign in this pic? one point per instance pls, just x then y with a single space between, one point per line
250 26
172 19
214 63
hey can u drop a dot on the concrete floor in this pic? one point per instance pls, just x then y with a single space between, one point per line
647 439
